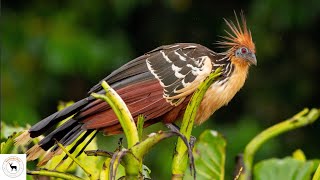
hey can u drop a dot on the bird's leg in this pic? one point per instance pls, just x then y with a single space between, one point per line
173 127
176 128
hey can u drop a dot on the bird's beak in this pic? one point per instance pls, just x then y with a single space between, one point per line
253 60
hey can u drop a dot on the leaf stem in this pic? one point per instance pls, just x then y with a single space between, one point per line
140 123
84 168
54 174
144 146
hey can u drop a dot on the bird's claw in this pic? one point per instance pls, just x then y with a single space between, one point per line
192 141
174 128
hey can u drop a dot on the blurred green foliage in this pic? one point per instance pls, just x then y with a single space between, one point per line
56 50
287 168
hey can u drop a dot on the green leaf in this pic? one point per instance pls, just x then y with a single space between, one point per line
8 146
316 175
287 168
210 156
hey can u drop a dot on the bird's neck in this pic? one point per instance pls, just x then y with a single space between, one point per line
238 76
221 92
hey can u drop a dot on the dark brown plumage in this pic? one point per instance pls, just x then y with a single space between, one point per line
158 85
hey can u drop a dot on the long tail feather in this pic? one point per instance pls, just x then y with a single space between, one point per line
47 142
45 124
79 143
23 138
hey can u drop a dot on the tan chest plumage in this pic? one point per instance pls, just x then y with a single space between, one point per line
219 95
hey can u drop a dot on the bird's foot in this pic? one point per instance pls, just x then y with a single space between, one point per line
192 141
174 128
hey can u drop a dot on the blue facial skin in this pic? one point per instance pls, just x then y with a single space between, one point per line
246 54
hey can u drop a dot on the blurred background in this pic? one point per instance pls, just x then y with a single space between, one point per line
56 50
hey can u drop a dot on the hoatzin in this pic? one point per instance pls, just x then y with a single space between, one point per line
158 85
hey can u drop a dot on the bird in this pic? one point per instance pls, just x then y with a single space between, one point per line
158 85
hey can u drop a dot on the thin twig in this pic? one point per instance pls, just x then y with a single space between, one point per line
99 153
54 174
75 160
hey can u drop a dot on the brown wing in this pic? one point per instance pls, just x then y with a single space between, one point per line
153 85
148 101
180 69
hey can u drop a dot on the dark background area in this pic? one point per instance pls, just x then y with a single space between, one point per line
56 50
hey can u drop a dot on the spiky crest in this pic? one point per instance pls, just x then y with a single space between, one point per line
240 36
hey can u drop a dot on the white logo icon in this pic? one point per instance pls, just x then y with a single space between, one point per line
13 166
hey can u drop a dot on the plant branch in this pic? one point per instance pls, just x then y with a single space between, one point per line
56 174
98 153
301 119
140 123
144 146
179 164
84 168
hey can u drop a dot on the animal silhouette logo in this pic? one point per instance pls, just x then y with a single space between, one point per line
13 167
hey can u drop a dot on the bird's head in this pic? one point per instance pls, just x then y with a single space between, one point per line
239 42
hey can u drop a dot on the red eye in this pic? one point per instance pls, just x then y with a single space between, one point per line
244 50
